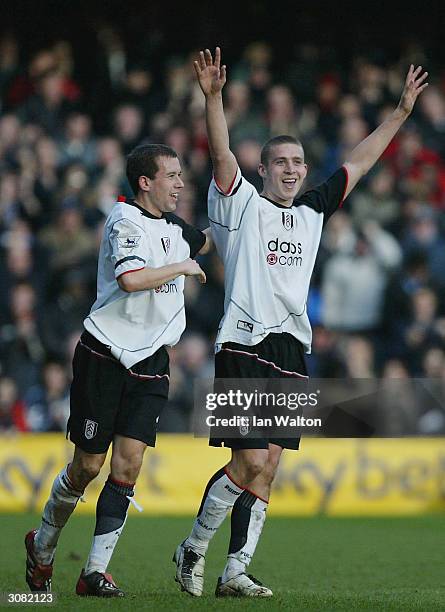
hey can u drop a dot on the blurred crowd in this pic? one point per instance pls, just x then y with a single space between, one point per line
377 302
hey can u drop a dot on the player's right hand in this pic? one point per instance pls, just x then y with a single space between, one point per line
211 75
192 268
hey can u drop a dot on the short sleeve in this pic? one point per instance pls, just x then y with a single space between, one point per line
226 209
129 248
329 196
192 235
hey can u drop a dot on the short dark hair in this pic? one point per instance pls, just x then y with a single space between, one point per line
142 161
276 140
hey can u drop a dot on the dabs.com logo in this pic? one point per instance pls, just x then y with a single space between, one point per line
284 252
167 288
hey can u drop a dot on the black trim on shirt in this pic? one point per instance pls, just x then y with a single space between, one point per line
234 229
193 236
276 203
327 197
130 257
233 192
291 314
143 211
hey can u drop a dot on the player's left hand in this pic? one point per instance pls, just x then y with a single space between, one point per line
211 75
414 85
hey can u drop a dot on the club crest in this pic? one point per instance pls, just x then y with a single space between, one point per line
166 244
244 427
287 220
90 429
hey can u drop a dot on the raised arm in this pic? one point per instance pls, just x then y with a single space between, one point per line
365 154
212 77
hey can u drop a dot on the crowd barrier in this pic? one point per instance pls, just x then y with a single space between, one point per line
327 476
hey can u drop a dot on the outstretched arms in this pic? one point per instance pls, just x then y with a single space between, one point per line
365 154
212 77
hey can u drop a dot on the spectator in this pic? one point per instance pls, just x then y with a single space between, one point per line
128 126
423 234
351 131
9 69
77 144
325 360
398 405
68 241
65 314
378 201
328 98
110 160
49 106
48 402
397 307
353 284
359 358
11 208
280 111
422 331
432 125
242 121
47 178
22 261
12 409
20 338
248 155
10 129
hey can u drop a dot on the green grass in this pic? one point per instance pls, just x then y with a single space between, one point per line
311 564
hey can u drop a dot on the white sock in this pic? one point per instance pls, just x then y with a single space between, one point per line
220 495
111 515
102 549
248 516
58 509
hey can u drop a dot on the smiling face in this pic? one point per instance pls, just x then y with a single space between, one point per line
284 173
162 191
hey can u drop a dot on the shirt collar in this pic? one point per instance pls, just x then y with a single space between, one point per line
276 203
145 212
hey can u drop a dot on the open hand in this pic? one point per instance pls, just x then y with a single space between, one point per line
414 85
211 75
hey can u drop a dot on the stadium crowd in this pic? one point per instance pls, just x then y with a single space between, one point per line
377 303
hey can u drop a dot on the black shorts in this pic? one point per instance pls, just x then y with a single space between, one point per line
108 399
277 356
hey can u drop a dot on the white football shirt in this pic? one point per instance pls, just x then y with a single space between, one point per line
269 252
134 325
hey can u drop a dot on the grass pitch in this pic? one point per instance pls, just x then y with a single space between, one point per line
311 564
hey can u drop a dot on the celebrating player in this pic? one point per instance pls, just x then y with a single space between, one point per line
268 244
121 366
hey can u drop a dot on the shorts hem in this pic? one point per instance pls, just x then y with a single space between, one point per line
151 442
254 443
89 451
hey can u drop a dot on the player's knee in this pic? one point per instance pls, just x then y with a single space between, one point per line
84 469
250 466
255 467
126 468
